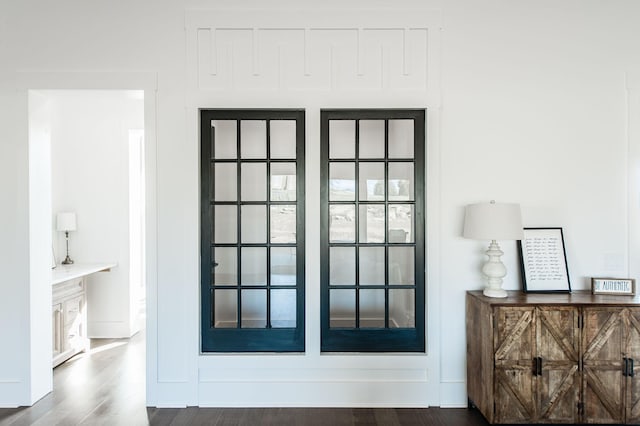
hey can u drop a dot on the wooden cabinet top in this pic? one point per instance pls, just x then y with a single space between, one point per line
576 297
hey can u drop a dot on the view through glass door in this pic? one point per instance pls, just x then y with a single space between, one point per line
252 230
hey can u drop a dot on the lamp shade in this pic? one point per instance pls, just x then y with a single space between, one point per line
66 221
493 221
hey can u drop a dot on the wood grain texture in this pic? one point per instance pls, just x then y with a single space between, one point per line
558 358
480 356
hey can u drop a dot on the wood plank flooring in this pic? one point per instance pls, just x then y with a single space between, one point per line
106 387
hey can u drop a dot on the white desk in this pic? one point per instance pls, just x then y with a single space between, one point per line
69 272
69 308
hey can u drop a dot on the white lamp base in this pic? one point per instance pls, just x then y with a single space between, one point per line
490 292
495 271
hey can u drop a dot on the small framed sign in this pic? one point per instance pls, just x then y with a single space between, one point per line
544 262
623 286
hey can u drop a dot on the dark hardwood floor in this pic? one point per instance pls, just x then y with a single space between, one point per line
106 387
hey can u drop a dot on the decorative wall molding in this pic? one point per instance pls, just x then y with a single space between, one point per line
323 52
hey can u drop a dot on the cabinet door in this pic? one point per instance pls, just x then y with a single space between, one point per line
558 352
603 383
73 323
514 339
56 332
632 351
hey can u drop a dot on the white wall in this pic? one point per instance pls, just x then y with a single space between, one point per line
526 103
90 176
40 245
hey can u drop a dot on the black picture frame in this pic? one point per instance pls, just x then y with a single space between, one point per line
543 261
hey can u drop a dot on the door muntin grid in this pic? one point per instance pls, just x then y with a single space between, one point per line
253 230
372 229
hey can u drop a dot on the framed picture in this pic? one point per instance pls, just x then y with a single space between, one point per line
622 286
544 261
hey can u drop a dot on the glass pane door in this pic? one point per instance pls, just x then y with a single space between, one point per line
373 230
253 230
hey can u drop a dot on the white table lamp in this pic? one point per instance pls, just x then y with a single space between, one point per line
65 222
493 221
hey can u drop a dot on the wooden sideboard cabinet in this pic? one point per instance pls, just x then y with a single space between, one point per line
69 319
554 358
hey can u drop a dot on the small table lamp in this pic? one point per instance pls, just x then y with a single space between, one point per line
65 222
493 221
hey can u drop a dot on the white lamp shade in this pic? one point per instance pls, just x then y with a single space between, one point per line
66 221
493 221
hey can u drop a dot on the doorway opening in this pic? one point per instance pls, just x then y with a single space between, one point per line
91 144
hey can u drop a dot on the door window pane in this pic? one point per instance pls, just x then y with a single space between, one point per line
342 308
225 182
225 143
283 308
371 223
283 138
401 266
254 224
225 309
342 139
254 266
402 308
226 271
401 139
371 264
254 182
342 182
254 308
401 182
283 181
401 223
371 182
283 224
371 141
283 266
253 139
342 223
225 224
342 266
371 308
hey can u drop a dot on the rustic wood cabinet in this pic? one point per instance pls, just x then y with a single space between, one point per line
554 358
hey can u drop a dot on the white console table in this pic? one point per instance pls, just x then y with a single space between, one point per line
69 314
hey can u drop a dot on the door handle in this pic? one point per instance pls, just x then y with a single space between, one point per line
630 372
625 369
539 366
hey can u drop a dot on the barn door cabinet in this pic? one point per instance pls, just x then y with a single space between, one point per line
561 358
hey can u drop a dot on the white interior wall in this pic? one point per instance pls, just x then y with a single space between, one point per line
531 107
15 368
40 243
90 165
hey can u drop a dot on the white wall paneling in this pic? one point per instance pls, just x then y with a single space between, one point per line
379 60
633 135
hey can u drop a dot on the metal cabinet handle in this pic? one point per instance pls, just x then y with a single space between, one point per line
630 372
539 365
625 369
